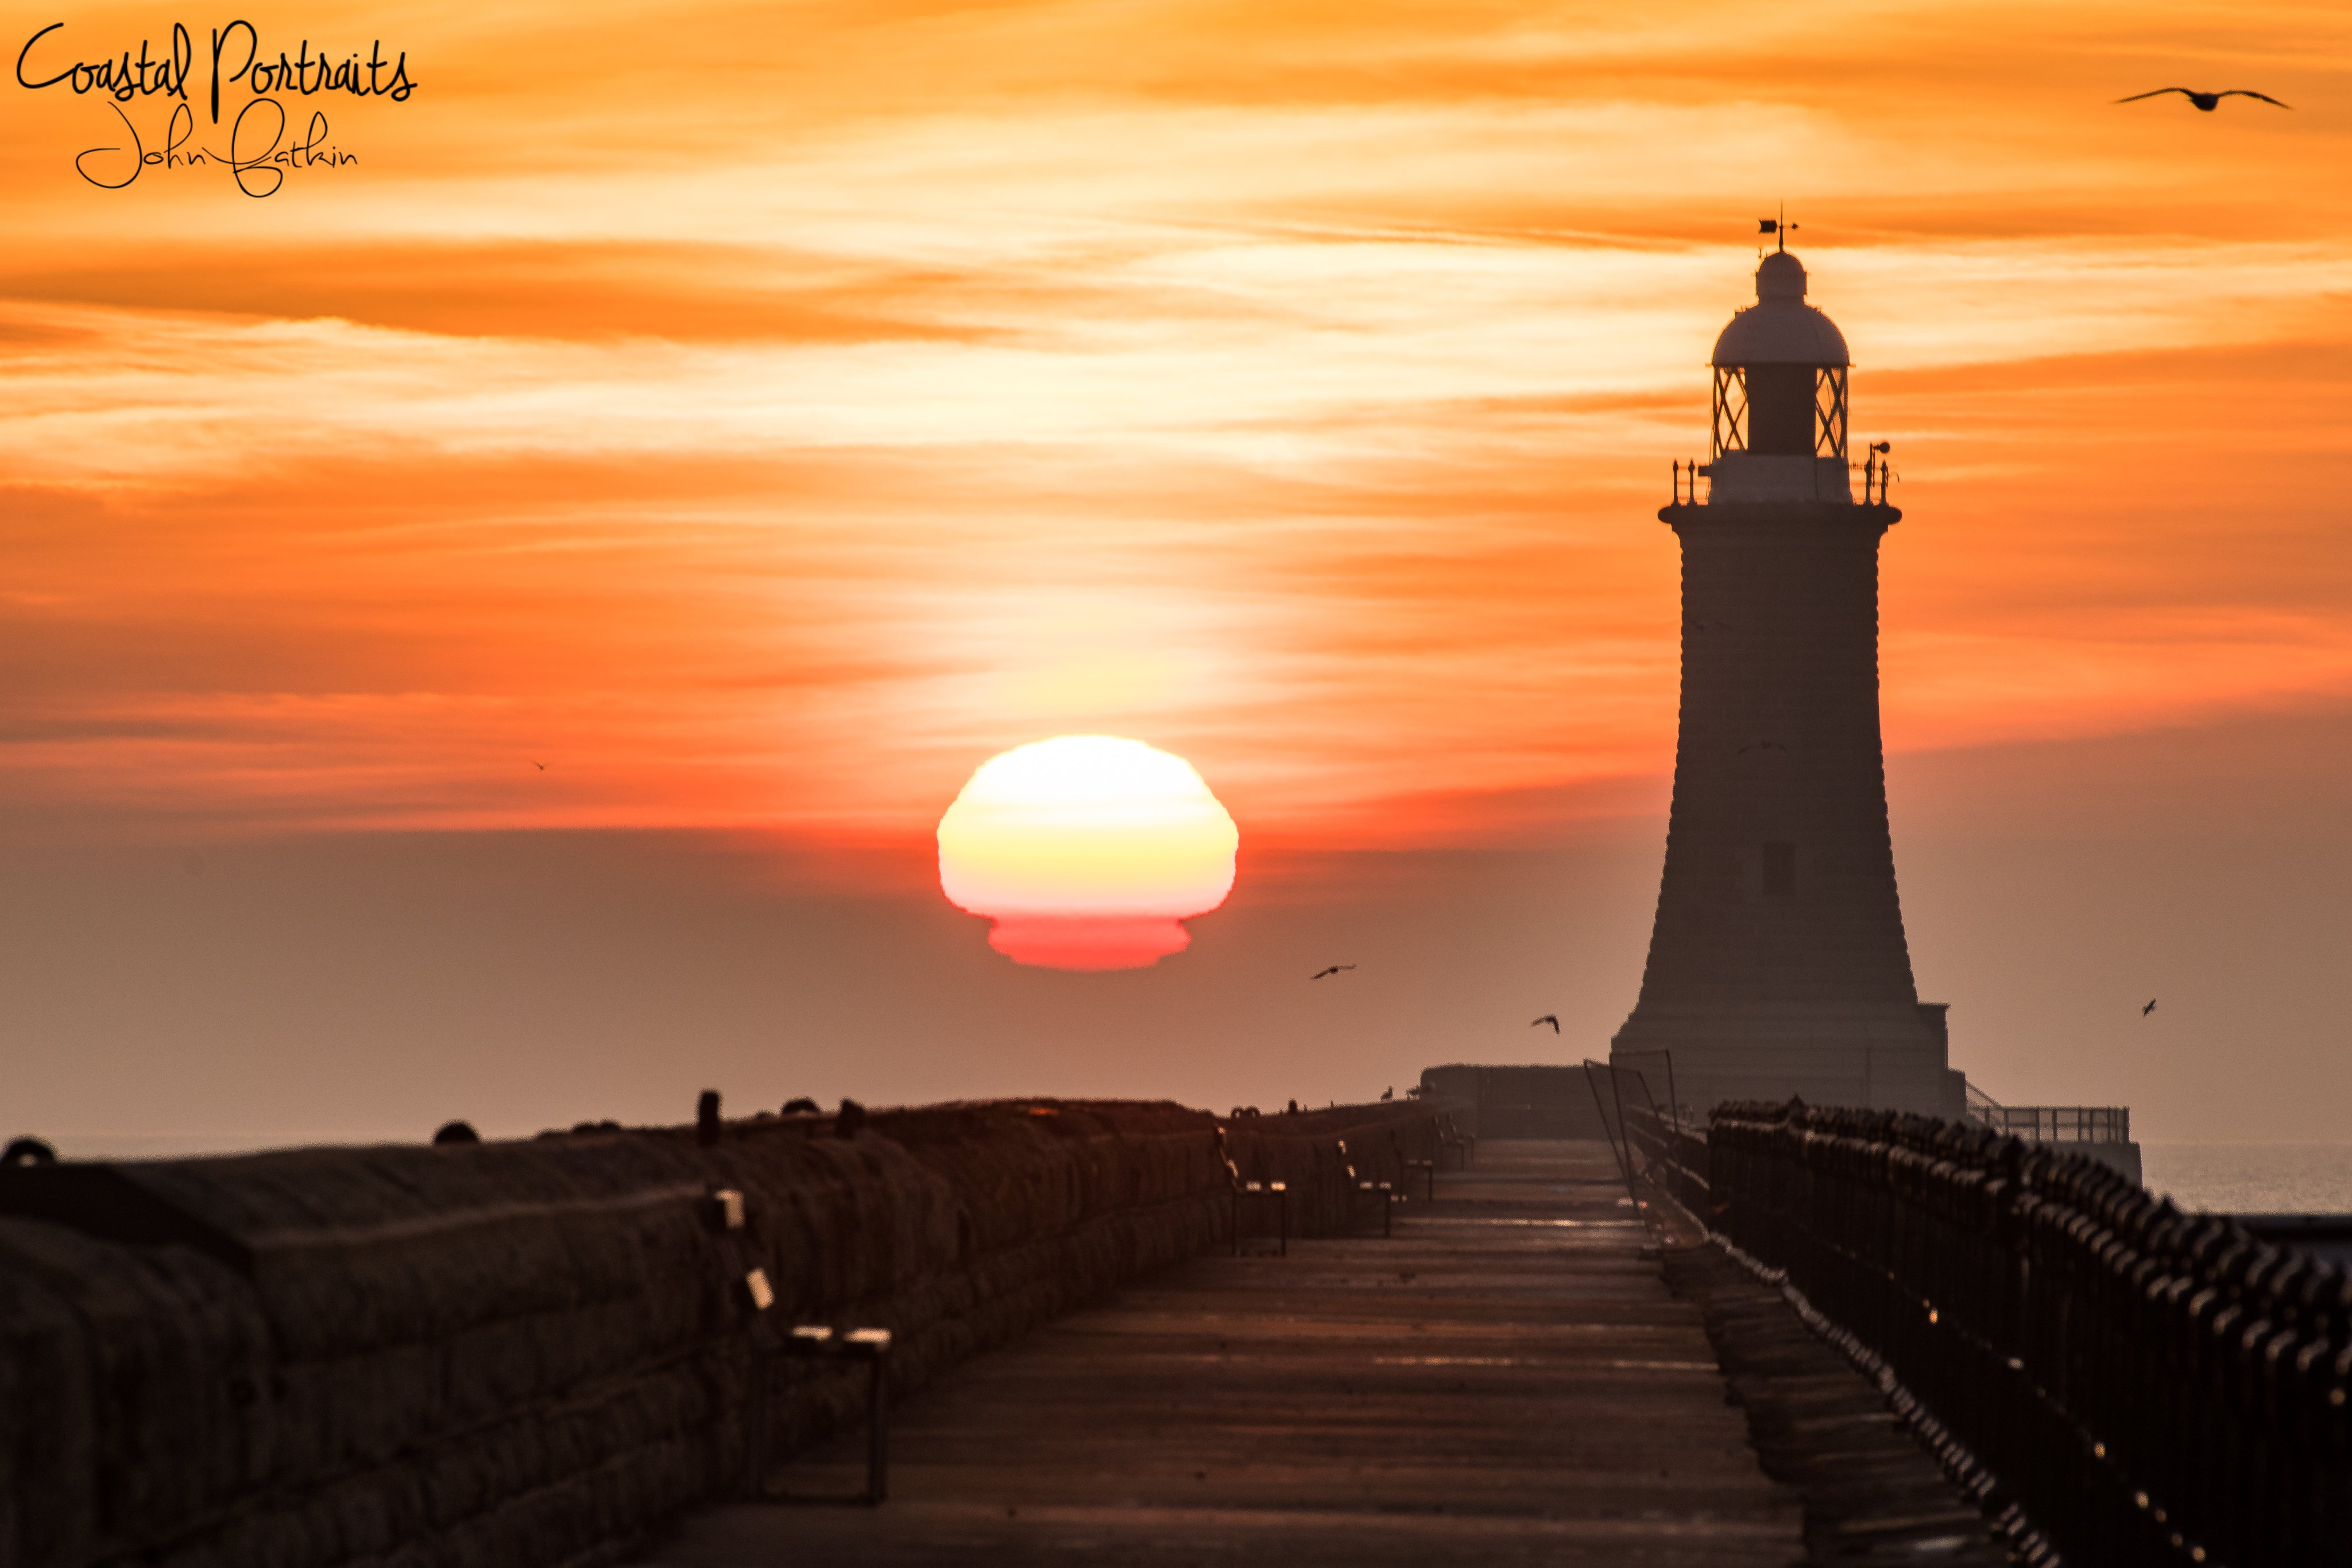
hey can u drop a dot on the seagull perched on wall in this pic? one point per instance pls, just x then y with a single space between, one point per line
1332 970
1551 1018
2207 101
2149 1009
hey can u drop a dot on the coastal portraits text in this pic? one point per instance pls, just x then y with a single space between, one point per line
249 137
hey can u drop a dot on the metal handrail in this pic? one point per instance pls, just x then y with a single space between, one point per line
2052 1124
2148 1386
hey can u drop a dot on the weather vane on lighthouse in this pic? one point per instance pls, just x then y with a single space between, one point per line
1778 227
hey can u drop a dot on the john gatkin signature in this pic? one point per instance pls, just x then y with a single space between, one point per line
259 154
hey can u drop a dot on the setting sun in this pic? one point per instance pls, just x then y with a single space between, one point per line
1086 850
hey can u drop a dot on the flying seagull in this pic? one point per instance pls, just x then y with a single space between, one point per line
1332 970
541 765
2149 1009
1551 1018
2208 102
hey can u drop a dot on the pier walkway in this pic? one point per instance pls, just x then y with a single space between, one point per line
1505 1380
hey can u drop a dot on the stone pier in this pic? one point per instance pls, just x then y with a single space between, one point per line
1505 1379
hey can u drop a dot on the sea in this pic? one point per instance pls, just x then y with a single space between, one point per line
2252 1178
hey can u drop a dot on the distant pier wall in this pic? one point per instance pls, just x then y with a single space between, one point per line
2137 1385
508 1354
1538 1101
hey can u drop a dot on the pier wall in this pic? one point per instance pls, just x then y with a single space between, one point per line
1541 1100
506 1355
2138 1385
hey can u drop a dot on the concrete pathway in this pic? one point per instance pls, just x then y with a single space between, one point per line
1506 1380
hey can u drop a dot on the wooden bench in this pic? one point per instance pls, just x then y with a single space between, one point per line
723 1211
1259 1194
813 1341
1452 1139
1406 1167
1359 1187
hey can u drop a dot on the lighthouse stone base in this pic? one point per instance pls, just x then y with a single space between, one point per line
1879 1058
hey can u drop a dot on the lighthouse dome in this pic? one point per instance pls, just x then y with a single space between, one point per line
1781 328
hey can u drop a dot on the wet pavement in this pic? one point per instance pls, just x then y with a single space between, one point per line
1507 1379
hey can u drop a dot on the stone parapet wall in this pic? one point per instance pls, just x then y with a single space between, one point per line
519 1354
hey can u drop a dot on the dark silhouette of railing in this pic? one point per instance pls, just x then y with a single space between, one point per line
2058 1123
2148 1386
2052 1124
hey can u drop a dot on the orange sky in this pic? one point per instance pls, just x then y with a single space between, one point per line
761 414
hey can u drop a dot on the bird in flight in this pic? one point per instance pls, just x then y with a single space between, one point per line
2208 102
2149 1009
541 765
1551 1018
1332 970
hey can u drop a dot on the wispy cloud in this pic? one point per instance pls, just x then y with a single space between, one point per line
772 433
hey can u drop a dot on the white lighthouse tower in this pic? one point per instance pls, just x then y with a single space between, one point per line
1777 965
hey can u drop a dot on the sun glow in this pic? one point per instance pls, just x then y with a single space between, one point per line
1086 852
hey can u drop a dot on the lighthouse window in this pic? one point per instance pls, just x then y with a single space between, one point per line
1781 870
1780 414
1828 411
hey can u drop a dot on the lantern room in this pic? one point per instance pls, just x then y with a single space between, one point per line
1779 417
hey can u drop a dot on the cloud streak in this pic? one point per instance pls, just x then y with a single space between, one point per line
773 441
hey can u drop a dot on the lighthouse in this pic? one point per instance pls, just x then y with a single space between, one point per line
1778 964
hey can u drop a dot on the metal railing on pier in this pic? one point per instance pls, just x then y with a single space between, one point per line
2143 1386
2052 1124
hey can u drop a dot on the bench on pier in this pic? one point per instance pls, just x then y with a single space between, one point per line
1359 1188
1452 1139
1256 1194
815 1341
723 1211
1406 1167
